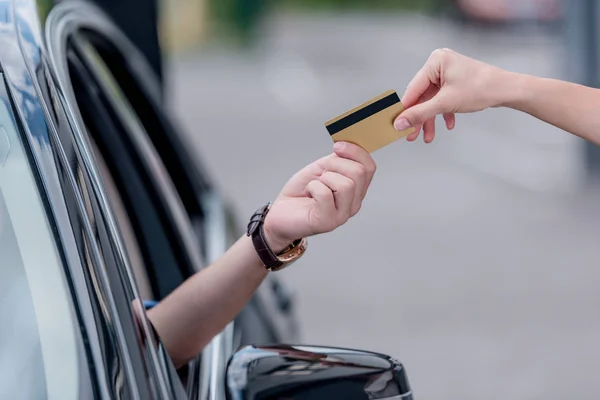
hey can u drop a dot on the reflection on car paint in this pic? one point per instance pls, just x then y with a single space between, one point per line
303 372
21 351
4 146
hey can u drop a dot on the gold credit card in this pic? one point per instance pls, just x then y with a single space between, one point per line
371 125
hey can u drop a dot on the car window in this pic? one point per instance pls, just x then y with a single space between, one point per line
40 345
135 124
126 226
169 248
137 163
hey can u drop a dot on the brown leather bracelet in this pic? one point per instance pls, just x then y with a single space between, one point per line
272 261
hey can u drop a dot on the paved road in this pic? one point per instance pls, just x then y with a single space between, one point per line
474 259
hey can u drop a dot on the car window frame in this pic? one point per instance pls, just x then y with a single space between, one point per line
105 331
105 217
192 186
69 178
125 271
87 379
209 224
152 231
148 152
60 26
98 250
174 172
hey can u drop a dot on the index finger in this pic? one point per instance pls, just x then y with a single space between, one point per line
416 88
356 153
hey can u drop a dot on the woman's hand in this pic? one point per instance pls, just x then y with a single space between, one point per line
320 197
449 83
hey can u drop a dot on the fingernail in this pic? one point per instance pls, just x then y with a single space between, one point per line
401 124
337 146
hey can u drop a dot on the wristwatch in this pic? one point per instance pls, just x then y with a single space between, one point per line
272 261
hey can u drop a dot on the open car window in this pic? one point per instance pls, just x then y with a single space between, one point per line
152 203
133 249
143 199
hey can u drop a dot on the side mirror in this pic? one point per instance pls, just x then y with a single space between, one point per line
283 372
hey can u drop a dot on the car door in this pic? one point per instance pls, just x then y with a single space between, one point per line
177 221
43 346
120 354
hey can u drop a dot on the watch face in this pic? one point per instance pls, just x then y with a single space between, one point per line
293 254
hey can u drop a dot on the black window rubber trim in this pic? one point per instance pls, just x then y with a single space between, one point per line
156 234
175 152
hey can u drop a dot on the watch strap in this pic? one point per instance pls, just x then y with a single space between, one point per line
259 240
270 259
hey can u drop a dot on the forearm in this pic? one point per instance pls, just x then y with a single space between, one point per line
317 199
201 307
568 106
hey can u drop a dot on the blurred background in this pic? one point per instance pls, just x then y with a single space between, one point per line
475 258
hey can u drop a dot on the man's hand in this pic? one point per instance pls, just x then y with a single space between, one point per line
320 197
317 199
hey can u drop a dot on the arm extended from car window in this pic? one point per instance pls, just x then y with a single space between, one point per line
195 312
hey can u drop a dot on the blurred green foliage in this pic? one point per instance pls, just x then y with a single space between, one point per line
238 18
44 7
241 18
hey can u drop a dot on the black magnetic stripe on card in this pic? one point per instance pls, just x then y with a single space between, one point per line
363 113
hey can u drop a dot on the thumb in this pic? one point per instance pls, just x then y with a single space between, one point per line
418 114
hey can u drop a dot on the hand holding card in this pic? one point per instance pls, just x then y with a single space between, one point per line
371 125
320 197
